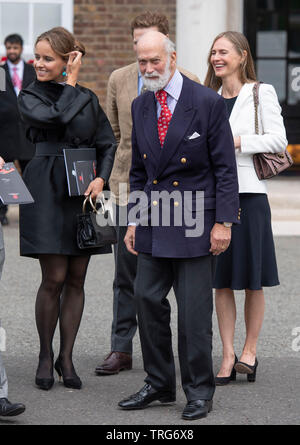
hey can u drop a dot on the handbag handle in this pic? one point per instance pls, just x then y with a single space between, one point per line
89 199
95 210
256 103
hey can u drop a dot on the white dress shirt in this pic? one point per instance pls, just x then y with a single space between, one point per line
20 71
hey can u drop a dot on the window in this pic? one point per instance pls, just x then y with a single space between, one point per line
31 18
274 39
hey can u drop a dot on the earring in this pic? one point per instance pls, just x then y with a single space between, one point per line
64 73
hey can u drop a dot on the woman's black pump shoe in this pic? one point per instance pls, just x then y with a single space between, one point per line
222 381
244 368
69 382
44 384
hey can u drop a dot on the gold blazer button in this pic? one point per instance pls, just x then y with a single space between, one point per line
175 184
183 160
145 156
155 181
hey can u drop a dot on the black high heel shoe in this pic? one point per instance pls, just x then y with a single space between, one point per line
222 381
69 382
44 383
244 368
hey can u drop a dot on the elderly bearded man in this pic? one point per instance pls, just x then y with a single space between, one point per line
194 153
124 85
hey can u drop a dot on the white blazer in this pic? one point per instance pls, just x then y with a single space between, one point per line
272 137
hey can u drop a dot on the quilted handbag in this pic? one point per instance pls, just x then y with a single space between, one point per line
268 165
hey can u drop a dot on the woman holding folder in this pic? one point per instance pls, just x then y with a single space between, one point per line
58 114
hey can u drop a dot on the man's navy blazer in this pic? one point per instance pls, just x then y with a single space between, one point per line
205 163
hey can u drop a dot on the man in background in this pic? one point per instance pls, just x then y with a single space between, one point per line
7 409
124 85
19 74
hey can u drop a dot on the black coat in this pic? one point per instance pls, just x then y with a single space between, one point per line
13 144
72 117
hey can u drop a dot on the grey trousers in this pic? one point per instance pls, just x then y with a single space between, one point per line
124 323
3 381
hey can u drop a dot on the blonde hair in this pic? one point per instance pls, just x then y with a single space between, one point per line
241 44
61 41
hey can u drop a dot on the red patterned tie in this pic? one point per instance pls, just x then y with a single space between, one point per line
16 79
165 116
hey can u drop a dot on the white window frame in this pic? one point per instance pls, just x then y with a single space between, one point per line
67 20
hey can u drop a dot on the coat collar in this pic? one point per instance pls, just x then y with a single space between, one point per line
8 79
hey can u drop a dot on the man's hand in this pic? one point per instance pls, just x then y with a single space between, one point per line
2 162
220 238
129 239
237 142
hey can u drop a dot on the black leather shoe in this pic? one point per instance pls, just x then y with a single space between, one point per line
145 396
8 409
197 409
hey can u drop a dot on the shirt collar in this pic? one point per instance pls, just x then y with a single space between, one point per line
13 65
174 87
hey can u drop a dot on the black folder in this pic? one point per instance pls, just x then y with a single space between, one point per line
72 156
12 187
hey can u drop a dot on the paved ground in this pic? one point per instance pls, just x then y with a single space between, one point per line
273 399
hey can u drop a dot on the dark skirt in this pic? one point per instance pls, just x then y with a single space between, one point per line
250 261
49 225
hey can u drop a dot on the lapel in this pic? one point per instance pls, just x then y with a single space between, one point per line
245 92
180 122
10 88
150 124
27 75
132 82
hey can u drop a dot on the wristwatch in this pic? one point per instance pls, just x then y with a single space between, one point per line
227 224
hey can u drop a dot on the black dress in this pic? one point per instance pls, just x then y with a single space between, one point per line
250 260
73 117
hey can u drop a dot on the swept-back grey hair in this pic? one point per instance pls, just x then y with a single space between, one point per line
170 46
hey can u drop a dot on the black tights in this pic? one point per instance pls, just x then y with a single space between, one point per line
60 297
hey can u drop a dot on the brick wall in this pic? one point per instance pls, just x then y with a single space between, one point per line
103 26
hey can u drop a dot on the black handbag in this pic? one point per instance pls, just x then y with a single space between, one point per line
95 227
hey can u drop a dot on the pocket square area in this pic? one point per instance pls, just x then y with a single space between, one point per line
194 136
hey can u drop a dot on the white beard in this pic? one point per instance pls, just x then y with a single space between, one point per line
157 84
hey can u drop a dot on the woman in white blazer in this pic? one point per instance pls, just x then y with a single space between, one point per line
249 263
